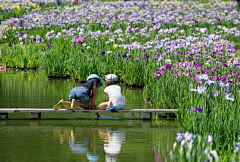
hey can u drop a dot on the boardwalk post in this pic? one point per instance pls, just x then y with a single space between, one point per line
147 116
35 115
4 116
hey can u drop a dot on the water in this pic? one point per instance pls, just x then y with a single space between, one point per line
75 137
32 89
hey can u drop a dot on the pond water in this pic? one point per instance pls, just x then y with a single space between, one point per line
75 137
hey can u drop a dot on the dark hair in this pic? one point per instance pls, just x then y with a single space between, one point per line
111 82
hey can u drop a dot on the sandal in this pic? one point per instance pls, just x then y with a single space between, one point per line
58 105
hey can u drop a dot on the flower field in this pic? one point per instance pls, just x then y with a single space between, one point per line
184 54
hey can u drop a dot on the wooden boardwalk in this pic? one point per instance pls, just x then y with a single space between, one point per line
36 113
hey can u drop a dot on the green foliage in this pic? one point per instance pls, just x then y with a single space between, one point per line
21 56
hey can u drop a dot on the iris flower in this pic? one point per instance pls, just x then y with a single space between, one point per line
196 110
49 45
209 82
199 90
138 59
102 53
229 96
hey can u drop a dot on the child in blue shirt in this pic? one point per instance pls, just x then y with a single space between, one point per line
83 96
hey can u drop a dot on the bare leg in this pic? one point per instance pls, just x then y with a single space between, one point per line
85 106
65 104
102 105
72 104
109 104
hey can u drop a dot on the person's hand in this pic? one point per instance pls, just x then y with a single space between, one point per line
94 107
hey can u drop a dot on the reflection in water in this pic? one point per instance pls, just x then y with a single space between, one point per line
92 142
113 140
84 140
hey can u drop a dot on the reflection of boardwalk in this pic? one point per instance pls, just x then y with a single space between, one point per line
2 25
85 124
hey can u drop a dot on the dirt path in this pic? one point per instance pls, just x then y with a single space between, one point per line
2 25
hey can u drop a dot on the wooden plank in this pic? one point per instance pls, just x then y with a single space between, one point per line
17 110
6 110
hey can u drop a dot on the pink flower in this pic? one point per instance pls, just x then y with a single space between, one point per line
1 68
199 82
186 74
77 40
182 31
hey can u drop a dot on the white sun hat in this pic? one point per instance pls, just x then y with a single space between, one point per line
111 78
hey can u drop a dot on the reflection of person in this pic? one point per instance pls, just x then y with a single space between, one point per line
113 141
79 146
114 93
82 95
84 142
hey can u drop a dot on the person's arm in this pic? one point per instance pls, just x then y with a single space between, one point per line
93 106
106 97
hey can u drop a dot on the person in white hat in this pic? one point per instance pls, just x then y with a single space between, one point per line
113 94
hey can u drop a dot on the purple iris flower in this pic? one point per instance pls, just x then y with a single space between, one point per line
155 57
128 55
215 77
10 45
229 97
146 56
238 75
227 90
124 55
223 78
25 36
212 72
159 72
138 59
197 110
209 82
167 66
77 40
221 84
216 93
49 45
102 53
199 82
82 50
224 64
